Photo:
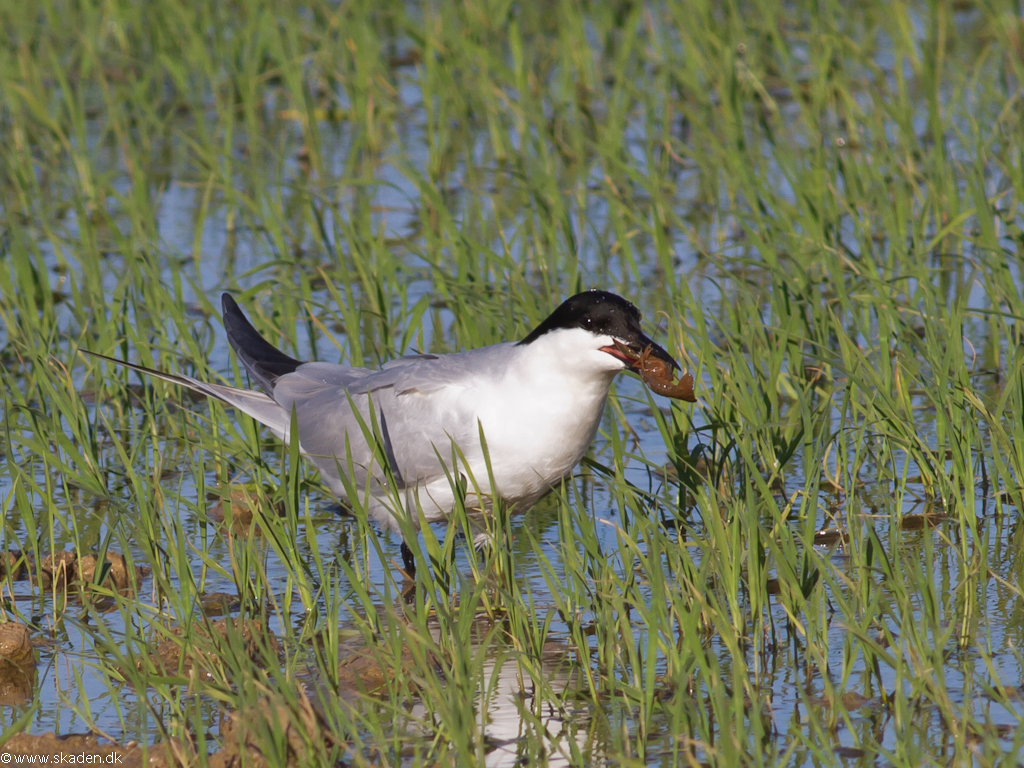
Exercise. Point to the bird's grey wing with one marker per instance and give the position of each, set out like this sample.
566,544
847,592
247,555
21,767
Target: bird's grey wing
330,433
425,374
432,412
421,373
309,376
406,360
412,373
414,404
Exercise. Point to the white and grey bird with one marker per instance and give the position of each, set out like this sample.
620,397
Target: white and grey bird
538,403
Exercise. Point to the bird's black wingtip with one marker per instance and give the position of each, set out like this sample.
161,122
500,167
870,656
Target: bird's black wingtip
263,361
228,303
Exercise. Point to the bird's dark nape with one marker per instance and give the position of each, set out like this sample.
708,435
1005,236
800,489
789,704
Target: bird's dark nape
264,362
597,311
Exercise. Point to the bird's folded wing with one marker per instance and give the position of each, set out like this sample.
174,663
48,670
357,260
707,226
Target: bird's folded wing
416,416
413,373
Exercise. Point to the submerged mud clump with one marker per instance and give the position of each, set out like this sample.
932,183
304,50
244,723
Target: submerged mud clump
17,664
367,670
64,569
114,572
58,570
219,603
14,564
918,522
239,507
205,649
299,736
15,644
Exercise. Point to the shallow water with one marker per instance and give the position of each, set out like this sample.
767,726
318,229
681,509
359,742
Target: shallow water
74,694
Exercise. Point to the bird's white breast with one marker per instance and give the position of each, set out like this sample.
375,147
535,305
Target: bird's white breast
538,421
538,405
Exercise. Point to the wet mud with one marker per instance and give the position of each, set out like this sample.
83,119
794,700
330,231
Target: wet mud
210,643
17,664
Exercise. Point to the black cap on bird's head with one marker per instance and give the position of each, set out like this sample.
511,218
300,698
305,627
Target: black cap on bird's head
604,314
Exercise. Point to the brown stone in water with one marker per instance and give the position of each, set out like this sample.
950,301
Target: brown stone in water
258,644
851,753
17,664
302,734
815,375
829,536
17,684
219,603
362,672
240,504
14,564
853,701
917,522
58,570
366,669
15,644
117,576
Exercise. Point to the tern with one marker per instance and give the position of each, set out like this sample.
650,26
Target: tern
514,417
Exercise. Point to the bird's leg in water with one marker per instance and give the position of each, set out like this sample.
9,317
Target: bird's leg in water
408,561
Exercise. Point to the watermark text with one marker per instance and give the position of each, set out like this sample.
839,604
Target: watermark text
60,758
